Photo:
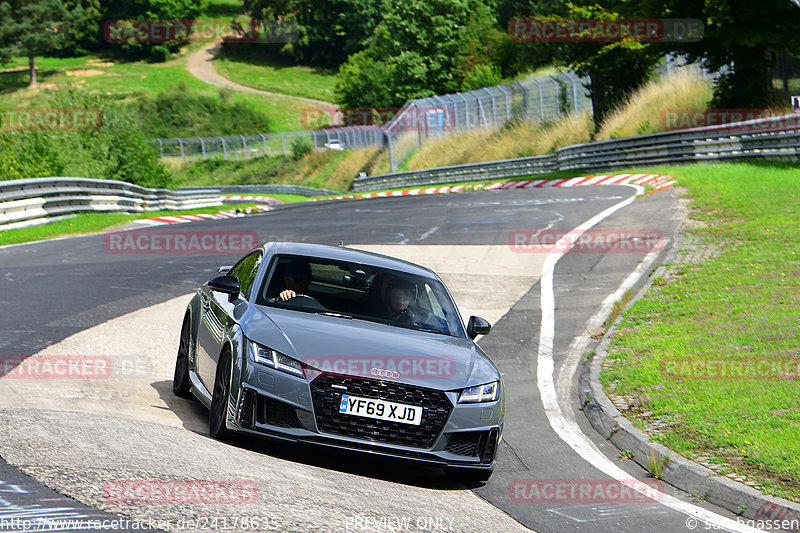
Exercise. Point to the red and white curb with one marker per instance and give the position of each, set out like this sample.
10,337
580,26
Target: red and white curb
264,199
657,181
178,219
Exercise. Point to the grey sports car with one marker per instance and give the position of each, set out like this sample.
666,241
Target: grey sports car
343,348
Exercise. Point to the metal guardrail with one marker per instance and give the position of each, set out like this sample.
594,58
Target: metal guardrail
262,189
771,138
30,201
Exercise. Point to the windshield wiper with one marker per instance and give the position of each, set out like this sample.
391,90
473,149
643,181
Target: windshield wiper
337,315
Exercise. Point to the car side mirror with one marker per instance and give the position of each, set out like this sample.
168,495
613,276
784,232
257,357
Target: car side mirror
477,326
227,284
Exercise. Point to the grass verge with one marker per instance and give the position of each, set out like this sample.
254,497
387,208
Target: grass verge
687,358
128,79
252,66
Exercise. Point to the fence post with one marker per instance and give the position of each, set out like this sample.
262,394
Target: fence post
392,162
160,147
203,147
283,143
264,139
541,98
524,92
466,108
183,155
494,106
574,94
224,149
244,145
558,95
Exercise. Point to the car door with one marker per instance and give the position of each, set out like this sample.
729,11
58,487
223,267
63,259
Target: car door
216,314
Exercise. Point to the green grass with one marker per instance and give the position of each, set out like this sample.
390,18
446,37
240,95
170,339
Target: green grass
743,305
96,222
253,66
126,79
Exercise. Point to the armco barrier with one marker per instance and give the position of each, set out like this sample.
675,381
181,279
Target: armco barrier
262,189
771,138
24,202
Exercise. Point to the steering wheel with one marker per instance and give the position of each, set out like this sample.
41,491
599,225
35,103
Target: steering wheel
305,302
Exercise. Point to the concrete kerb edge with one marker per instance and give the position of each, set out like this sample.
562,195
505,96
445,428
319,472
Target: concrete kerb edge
678,471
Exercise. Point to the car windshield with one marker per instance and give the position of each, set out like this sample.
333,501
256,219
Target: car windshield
359,291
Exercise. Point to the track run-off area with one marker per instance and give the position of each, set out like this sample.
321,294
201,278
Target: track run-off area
85,436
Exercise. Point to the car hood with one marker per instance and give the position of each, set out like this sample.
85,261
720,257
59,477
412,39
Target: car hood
371,350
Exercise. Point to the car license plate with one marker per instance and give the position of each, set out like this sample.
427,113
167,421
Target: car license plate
380,409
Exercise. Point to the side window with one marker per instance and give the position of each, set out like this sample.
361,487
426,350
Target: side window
246,270
436,309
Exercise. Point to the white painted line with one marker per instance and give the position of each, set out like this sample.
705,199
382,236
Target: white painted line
567,428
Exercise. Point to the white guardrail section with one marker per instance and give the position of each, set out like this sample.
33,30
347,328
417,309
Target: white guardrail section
267,188
31,201
776,138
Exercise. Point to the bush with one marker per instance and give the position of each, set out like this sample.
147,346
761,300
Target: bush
116,150
300,148
180,112
482,76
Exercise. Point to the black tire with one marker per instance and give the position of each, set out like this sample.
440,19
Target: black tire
219,399
180,381
467,475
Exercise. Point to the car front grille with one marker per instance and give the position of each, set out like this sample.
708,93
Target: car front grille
436,410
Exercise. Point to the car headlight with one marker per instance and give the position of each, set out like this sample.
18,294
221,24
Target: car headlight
269,357
482,393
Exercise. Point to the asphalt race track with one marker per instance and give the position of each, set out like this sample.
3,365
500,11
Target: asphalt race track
83,437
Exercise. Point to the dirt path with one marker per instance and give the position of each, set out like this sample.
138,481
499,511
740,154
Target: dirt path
200,66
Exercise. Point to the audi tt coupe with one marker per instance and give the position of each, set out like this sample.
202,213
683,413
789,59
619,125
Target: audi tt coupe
340,347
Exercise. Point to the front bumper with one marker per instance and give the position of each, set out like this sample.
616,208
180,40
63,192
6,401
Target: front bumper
274,404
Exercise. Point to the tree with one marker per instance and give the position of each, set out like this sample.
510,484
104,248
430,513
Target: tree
32,27
151,10
740,37
615,68
326,32
420,48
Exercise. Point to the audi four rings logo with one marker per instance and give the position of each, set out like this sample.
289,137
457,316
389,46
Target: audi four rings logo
380,372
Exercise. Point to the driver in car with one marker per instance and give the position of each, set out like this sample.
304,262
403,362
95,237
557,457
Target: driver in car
398,297
296,279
